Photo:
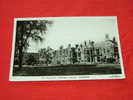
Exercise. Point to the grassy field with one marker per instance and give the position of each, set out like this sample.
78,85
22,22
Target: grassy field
100,69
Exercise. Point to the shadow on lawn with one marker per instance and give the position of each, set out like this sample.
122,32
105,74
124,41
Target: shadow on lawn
68,70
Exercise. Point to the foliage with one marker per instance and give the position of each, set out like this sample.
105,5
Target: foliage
45,55
31,60
26,31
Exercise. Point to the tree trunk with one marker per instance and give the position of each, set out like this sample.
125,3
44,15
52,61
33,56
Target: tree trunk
20,58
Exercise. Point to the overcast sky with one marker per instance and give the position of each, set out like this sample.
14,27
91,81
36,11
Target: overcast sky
73,30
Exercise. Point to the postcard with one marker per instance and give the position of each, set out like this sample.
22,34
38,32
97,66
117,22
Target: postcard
66,48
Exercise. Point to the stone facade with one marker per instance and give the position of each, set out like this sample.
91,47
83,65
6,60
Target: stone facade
84,53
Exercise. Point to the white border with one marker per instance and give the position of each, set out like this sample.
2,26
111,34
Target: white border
70,77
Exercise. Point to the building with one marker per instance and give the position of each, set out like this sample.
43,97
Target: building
88,52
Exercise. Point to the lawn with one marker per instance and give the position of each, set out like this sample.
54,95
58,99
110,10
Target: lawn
100,69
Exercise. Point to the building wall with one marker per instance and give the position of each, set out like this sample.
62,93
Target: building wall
83,54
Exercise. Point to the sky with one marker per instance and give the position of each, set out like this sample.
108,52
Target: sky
74,30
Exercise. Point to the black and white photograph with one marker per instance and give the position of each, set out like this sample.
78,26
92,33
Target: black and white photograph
66,48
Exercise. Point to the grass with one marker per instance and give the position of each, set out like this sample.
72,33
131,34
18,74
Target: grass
100,69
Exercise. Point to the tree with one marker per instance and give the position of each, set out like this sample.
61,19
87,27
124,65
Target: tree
31,60
115,47
26,31
113,41
46,55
